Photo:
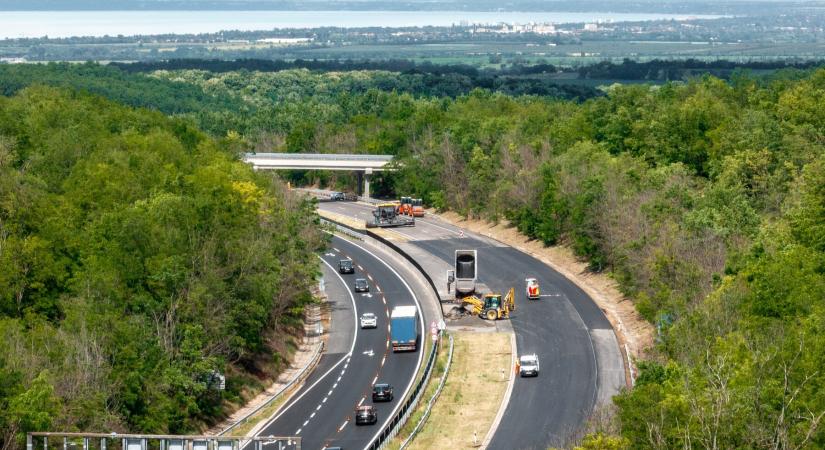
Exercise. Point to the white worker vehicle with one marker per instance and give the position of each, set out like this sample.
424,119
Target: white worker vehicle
529,365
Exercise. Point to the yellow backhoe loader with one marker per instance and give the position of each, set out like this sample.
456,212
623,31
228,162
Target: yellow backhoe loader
491,306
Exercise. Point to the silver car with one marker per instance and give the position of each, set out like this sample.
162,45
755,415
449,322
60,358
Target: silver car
368,320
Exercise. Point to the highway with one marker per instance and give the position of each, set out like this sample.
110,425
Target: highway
579,355
321,412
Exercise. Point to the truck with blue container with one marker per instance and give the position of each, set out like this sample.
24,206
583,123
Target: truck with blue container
404,328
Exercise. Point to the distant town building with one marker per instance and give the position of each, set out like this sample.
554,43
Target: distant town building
282,40
591,27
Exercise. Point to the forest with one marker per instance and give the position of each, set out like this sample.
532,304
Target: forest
704,199
139,261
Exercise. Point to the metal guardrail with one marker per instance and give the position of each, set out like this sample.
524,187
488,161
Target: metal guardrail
115,441
349,231
296,379
431,403
409,258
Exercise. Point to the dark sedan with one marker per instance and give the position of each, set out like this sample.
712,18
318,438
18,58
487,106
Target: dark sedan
366,415
345,266
361,285
382,392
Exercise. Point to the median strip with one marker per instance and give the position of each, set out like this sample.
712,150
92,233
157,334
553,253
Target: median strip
462,417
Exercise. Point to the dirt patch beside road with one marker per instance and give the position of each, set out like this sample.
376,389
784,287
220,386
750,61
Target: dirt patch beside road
472,395
631,329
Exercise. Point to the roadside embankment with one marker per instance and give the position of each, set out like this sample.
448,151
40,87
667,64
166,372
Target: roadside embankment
248,417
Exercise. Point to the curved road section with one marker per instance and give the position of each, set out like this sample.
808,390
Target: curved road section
322,411
581,363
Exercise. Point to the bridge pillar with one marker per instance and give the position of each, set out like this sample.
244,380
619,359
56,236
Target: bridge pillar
367,174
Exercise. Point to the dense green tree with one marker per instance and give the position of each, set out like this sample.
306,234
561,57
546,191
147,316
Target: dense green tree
137,258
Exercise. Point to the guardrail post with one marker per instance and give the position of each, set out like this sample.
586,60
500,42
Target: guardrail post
29,444
103,443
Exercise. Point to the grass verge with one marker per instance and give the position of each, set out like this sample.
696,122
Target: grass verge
461,411
264,414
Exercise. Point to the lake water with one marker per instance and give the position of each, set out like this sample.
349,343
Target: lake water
18,24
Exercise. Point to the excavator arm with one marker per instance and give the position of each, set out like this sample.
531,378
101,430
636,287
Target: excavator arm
510,300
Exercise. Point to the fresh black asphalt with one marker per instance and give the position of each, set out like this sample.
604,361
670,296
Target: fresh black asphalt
546,410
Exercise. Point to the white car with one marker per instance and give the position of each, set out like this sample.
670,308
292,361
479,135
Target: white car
529,365
368,320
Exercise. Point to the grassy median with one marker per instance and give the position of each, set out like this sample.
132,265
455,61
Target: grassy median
470,399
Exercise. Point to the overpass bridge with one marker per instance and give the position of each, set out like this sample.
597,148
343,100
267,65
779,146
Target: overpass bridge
364,165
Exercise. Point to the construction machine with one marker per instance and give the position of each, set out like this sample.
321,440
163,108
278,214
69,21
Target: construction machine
386,215
405,206
491,306
417,207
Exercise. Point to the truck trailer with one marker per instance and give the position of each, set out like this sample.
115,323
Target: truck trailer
466,272
404,328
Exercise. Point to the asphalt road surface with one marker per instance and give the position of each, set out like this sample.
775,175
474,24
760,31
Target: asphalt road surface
560,327
545,410
322,412
425,227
